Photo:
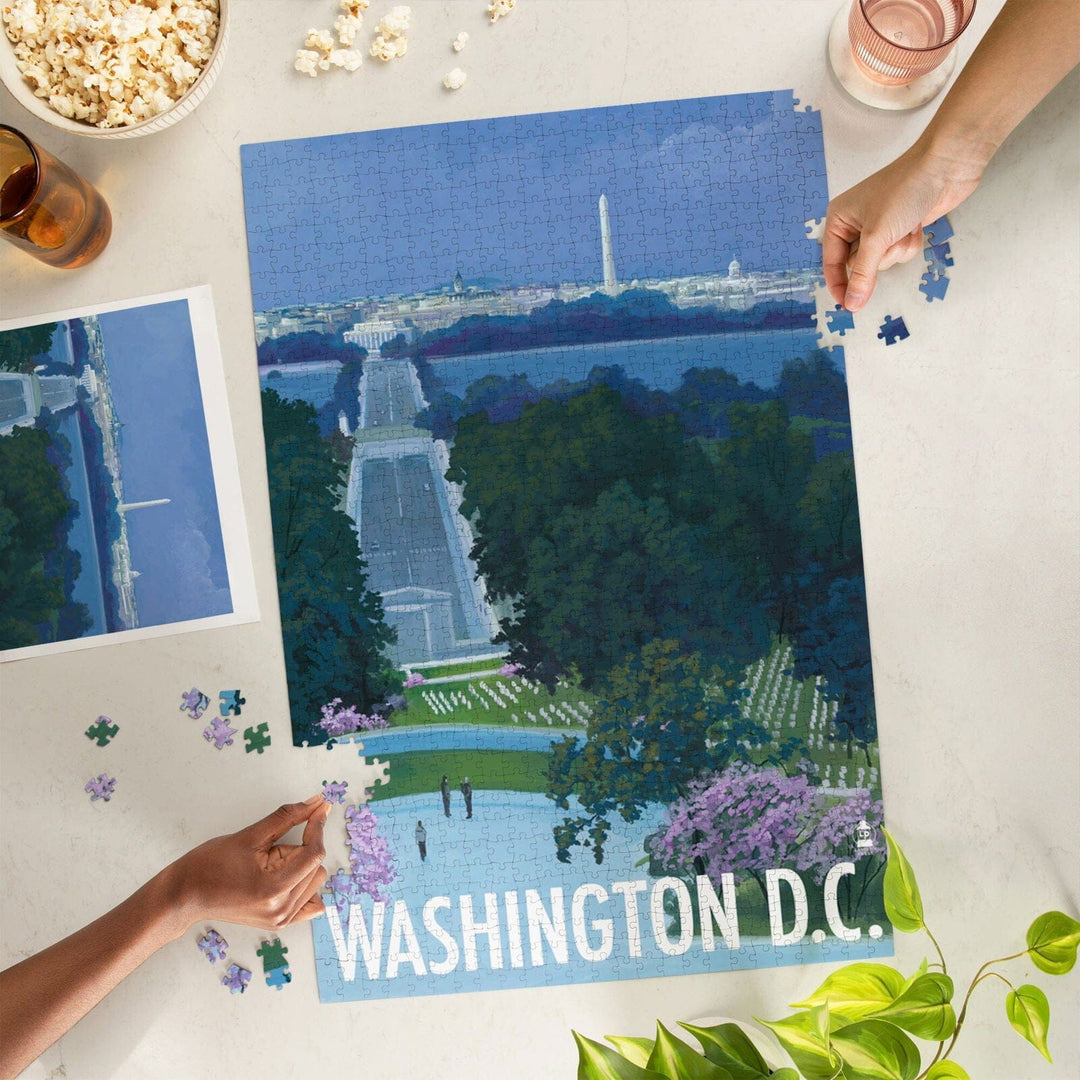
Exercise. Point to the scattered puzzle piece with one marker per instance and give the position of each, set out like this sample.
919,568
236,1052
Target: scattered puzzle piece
101,787
194,702
236,978
937,232
212,945
257,738
103,731
231,702
938,257
278,978
934,286
275,966
893,330
219,733
335,790
840,320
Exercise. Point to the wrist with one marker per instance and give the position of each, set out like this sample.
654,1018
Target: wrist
175,912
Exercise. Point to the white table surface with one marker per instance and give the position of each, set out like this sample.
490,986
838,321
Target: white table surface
966,444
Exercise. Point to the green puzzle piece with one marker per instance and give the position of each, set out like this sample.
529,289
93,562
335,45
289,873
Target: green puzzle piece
103,731
257,738
273,954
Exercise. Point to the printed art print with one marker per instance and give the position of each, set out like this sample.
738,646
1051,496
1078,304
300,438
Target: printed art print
567,541
120,509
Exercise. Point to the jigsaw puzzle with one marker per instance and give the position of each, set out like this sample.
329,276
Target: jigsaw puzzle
212,945
100,787
256,738
194,703
236,978
555,379
275,966
219,733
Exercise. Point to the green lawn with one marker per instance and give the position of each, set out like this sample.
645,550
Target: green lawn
487,770
437,671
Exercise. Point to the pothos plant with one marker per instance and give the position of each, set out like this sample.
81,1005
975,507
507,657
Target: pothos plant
859,1024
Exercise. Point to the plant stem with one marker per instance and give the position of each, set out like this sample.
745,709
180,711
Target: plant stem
981,974
941,955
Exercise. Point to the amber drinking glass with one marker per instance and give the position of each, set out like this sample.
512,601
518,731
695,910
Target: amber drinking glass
46,208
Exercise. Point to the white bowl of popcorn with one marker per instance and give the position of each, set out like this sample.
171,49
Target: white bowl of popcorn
114,69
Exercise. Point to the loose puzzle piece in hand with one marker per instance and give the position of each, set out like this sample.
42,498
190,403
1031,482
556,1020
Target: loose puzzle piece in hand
335,790
257,738
840,320
219,733
938,257
101,787
231,702
103,731
937,232
212,945
236,978
893,330
194,702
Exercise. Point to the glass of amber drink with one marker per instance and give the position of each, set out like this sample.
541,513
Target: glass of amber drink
46,208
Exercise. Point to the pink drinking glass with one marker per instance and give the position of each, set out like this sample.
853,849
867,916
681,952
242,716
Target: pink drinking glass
895,42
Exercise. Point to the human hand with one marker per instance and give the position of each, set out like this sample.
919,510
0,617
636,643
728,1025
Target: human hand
248,877
879,222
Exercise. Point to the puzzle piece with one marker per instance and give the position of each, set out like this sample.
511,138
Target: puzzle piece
335,791
938,257
934,286
272,953
893,330
840,320
231,702
101,787
194,702
937,232
103,731
236,978
278,978
219,733
257,738
212,945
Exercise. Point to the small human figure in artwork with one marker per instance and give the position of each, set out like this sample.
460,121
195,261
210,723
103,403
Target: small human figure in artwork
421,839
466,791
444,789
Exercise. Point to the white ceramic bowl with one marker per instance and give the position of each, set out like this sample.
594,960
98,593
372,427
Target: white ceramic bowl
20,89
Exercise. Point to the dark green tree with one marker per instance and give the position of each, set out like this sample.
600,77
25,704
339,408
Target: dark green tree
664,717
813,386
332,624
36,566
22,349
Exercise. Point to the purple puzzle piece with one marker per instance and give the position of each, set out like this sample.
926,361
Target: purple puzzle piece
101,787
194,702
236,978
335,790
219,733
212,945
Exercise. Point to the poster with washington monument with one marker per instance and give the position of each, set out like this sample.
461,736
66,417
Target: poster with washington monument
566,537
118,483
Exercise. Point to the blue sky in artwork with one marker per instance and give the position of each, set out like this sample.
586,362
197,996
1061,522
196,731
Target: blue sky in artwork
514,200
165,453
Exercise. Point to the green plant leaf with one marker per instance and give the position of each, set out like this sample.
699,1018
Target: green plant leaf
728,1046
672,1058
876,1050
599,1062
856,991
946,1070
1052,940
1029,1012
903,904
632,1048
923,1009
805,1036
920,970
785,1074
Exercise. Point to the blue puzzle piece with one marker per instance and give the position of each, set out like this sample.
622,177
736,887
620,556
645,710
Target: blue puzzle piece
934,286
937,232
893,330
938,257
278,977
840,320
231,702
